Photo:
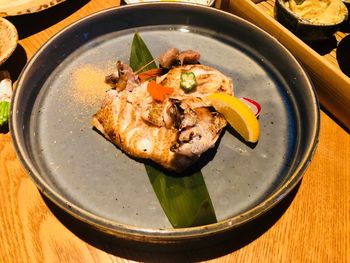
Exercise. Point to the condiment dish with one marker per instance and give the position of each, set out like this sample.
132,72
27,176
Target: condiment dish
310,28
8,39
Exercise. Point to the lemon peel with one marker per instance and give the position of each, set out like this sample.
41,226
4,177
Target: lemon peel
237,114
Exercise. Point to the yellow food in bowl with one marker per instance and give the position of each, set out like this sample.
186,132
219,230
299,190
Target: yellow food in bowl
319,11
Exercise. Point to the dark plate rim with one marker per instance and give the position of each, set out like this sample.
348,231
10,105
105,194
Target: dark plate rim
156,235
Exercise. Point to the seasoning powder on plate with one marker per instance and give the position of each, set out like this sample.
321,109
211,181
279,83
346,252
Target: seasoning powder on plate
88,84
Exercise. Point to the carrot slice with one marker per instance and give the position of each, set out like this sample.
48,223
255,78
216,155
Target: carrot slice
150,74
158,91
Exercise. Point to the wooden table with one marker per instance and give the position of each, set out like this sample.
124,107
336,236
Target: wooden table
311,225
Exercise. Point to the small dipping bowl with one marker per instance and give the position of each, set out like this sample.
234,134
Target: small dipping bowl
8,39
304,28
347,4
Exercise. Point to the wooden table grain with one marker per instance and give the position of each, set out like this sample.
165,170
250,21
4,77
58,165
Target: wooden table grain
311,225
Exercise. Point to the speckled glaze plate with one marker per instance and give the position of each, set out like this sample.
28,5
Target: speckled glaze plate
81,172
21,7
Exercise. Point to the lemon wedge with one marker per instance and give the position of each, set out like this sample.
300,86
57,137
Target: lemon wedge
237,114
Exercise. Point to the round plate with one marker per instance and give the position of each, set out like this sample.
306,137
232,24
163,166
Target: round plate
21,7
90,178
8,39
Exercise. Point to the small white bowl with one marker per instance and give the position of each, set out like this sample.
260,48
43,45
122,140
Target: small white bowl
8,39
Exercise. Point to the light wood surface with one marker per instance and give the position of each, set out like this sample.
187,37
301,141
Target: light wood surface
311,225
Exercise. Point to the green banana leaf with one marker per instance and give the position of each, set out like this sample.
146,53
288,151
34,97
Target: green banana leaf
185,199
140,55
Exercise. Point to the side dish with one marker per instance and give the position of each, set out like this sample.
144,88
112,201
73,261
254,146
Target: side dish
8,38
311,20
318,11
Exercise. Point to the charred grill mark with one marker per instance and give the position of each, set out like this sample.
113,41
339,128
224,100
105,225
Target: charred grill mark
222,86
203,77
174,147
120,113
212,110
187,139
177,113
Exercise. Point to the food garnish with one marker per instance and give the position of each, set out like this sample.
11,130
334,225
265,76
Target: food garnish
188,81
238,115
5,96
150,74
253,105
4,112
138,54
157,91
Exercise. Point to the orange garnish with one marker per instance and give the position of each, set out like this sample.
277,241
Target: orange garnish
158,91
150,74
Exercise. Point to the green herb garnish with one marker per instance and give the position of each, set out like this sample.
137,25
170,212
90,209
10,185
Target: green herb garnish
188,81
4,112
140,56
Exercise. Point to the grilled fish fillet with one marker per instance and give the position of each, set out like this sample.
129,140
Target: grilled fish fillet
173,133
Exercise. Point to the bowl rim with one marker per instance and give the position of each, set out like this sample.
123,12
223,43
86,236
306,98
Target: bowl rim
308,22
11,43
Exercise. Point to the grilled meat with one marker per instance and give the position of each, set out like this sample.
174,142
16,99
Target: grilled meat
174,132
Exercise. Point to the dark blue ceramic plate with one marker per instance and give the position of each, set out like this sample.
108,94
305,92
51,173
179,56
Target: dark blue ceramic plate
90,178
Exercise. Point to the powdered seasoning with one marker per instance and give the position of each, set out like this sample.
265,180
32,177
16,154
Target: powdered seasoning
88,86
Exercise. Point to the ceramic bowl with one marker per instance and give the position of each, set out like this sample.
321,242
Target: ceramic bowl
15,8
303,28
8,39
347,4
